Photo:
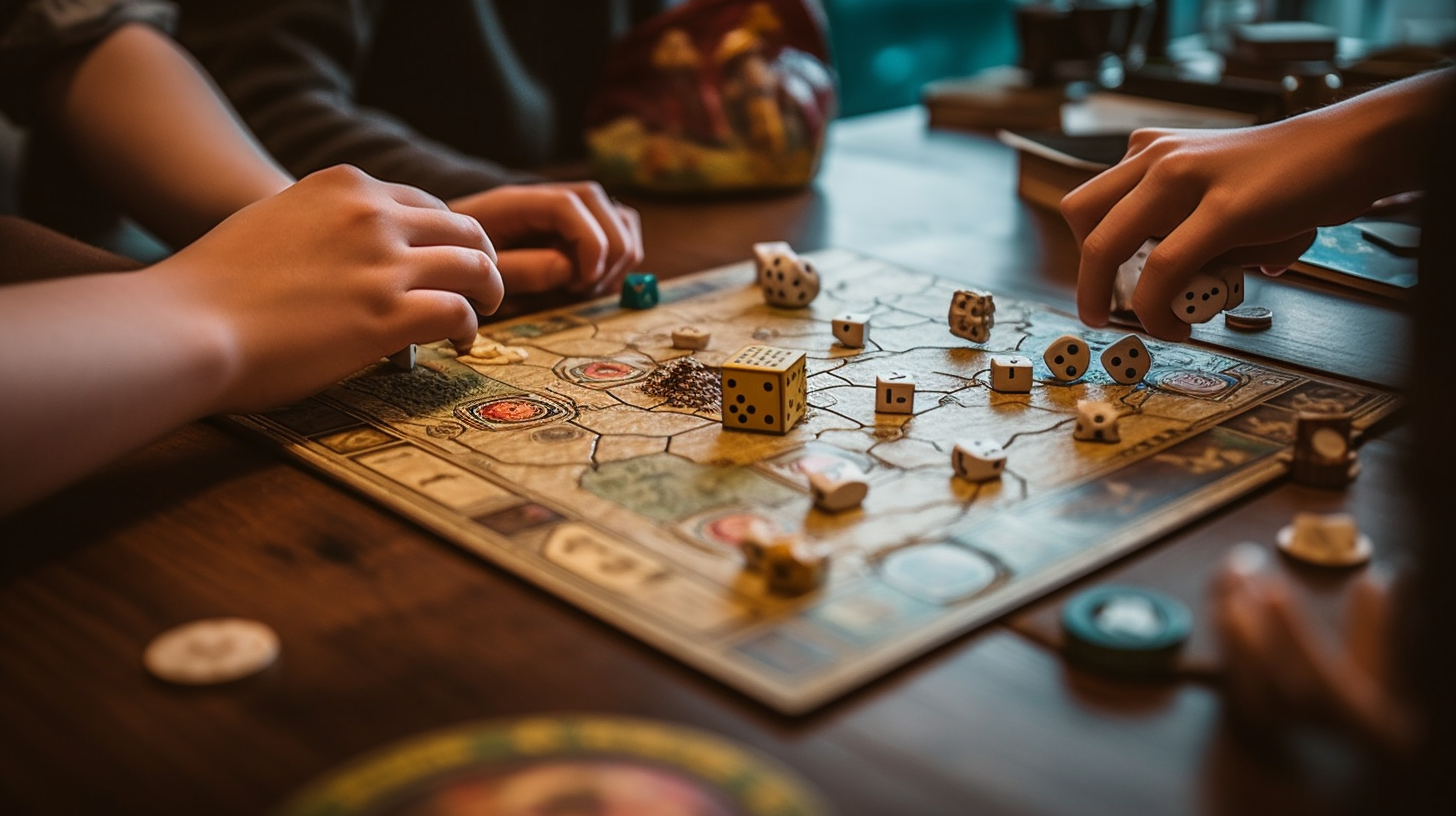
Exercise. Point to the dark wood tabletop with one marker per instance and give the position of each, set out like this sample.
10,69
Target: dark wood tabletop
389,631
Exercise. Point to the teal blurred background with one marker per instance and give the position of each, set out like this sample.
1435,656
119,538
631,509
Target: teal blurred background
885,50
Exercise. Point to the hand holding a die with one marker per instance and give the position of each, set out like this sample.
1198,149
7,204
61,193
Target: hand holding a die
1250,196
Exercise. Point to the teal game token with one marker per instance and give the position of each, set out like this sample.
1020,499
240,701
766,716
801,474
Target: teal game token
1125,630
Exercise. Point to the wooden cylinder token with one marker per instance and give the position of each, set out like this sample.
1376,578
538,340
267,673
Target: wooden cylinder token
1248,318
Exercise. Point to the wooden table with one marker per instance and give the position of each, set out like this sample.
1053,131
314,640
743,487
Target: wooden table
389,631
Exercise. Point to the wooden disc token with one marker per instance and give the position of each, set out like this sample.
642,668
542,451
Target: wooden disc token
212,650
1356,556
1249,318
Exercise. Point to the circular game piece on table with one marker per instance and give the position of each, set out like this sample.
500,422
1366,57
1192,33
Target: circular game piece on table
212,650
1125,630
1249,318
557,764
1324,556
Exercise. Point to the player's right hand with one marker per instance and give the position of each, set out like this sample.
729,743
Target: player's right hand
337,271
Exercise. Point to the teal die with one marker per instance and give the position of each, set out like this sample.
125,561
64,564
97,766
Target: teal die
639,291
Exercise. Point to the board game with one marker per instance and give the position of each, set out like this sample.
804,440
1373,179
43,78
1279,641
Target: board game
562,463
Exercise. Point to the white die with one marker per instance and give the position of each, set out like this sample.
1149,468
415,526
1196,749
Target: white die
1096,422
838,489
972,314
1128,275
1011,374
895,393
1128,360
851,329
1067,357
979,460
787,280
1203,297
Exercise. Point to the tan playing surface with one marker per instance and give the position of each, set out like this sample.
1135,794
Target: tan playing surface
563,470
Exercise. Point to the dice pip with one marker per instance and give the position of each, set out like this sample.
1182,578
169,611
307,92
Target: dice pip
787,280
639,291
979,460
1011,374
764,389
1067,357
895,393
1128,360
851,329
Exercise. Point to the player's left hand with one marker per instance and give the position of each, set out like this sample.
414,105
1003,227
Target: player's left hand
558,235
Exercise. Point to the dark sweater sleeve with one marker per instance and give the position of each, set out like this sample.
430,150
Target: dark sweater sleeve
290,67
38,35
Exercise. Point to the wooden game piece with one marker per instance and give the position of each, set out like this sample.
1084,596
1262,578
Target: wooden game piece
1324,454
690,337
839,489
972,314
895,393
1067,357
1232,276
851,329
764,389
1011,374
789,565
213,650
1125,630
792,567
1128,360
1096,422
639,291
1203,297
979,460
787,280
1128,275
1328,540
404,359
1249,318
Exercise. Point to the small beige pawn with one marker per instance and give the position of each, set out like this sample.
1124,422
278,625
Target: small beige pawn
839,489
1331,540
690,337
1096,422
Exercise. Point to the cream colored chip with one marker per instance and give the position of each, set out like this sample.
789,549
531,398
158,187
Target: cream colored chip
212,650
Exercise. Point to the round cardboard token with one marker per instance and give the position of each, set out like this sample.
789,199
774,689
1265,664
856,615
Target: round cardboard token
560,763
1249,318
212,650
1359,555
1125,629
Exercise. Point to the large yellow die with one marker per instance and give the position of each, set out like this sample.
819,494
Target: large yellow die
764,389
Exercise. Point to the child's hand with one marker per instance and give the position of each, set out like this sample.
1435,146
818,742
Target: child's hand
551,236
315,283
1251,196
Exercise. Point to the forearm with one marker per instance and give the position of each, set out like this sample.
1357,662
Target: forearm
111,361
1389,132
149,125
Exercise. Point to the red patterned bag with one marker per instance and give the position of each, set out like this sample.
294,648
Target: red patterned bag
713,96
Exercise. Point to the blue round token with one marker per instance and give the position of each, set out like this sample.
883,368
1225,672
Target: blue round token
1125,629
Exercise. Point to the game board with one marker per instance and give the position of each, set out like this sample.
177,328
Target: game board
563,470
